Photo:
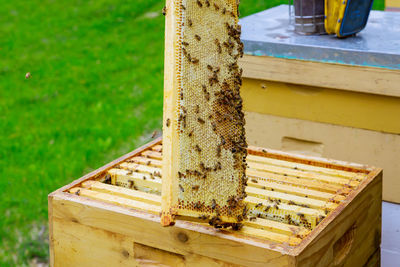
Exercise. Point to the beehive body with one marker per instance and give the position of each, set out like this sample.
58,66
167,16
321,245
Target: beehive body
96,220
205,147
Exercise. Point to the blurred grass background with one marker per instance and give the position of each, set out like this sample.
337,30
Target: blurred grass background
95,94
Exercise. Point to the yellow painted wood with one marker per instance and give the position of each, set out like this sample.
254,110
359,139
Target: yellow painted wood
392,3
370,80
347,108
346,143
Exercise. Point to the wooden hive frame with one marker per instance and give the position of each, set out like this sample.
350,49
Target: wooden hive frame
92,222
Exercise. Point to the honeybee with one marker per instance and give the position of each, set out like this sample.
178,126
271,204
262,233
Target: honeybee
198,38
164,10
199,3
168,122
213,204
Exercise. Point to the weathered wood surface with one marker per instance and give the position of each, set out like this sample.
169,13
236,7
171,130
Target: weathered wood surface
337,76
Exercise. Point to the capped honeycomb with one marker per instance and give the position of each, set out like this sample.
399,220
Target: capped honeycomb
204,137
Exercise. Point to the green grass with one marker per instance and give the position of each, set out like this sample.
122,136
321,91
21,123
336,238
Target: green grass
95,94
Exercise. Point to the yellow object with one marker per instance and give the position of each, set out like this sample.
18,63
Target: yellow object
203,129
346,17
392,3
347,108
334,12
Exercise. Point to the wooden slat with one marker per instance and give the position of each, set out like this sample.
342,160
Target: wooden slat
305,167
123,192
137,179
300,174
140,168
121,201
332,188
156,200
146,161
157,148
316,185
295,190
286,198
152,154
259,233
277,227
311,215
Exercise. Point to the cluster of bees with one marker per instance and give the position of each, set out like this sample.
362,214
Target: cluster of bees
221,91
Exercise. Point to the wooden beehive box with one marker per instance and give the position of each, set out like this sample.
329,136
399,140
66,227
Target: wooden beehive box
98,221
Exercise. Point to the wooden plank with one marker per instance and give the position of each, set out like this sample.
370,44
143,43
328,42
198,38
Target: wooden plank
123,192
294,190
146,161
152,154
316,185
287,198
277,227
304,175
352,78
351,234
157,148
149,256
297,213
121,201
140,168
276,237
305,167
352,109
137,179
205,241
80,245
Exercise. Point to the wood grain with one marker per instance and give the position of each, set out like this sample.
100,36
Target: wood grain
337,76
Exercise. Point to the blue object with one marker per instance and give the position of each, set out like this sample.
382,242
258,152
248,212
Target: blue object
355,16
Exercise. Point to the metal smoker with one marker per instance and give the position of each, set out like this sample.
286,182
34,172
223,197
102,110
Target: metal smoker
307,16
